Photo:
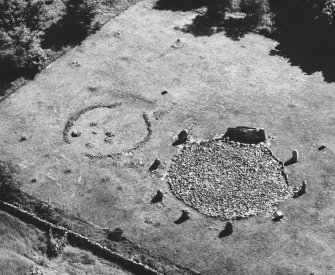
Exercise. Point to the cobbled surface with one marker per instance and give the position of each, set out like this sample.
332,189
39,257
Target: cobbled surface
228,180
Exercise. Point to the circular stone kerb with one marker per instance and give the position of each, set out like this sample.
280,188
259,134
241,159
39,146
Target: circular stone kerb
228,180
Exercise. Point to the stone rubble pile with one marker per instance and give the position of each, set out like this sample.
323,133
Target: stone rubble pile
227,179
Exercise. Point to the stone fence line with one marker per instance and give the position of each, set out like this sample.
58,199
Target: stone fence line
79,240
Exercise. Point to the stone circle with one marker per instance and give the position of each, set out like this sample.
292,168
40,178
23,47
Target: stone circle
228,180
108,135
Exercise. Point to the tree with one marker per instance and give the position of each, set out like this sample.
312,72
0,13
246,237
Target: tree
9,185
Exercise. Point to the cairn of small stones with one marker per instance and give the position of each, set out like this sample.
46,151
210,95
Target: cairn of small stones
228,180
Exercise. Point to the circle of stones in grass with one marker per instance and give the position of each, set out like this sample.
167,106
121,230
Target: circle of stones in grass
228,180
69,124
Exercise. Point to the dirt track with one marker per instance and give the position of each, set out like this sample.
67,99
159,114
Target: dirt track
213,81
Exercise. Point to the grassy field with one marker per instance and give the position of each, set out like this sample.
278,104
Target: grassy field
212,81
23,250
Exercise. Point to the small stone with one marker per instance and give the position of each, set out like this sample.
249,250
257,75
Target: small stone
155,165
23,138
75,63
108,140
89,145
322,147
278,215
75,133
109,134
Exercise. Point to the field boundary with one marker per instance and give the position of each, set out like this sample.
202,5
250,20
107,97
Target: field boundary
78,240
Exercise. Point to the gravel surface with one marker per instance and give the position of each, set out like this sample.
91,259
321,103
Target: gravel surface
228,180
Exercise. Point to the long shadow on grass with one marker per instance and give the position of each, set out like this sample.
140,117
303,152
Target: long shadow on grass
11,75
72,28
212,20
63,33
208,24
309,59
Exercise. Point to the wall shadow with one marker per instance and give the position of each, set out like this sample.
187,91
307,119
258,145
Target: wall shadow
179,5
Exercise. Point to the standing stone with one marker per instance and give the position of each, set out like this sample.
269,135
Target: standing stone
300,191
322,147
261,135
75,133
228,228
303,187
182,136
295,156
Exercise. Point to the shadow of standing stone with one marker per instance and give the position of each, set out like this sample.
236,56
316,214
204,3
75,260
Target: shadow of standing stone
155,165
158,197
293,159
228,230
184,217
